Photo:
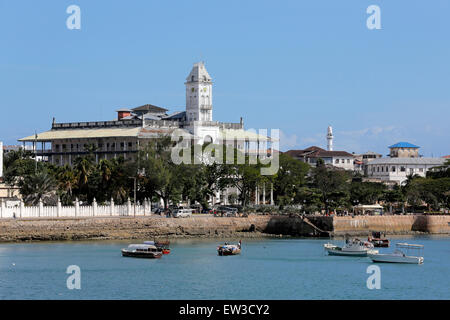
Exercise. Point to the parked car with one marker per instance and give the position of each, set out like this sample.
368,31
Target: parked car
182,213
196,208
225,211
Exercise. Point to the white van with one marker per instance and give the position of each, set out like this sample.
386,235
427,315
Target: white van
182,213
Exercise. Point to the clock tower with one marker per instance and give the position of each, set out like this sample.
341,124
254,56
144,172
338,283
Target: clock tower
198,94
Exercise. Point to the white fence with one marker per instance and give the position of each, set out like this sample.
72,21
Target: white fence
94,210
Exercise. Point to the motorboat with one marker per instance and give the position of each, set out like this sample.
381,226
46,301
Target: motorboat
162,246
378,240
229,249
352,248
400,256
142,251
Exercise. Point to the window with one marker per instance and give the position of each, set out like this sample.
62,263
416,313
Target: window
348,160
393,169
402,169
343,161
420,169
337,161
130,144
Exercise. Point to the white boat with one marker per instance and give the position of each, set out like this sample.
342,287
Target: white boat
398,256
352,248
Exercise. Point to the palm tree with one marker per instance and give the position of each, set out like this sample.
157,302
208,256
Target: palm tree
83,168
38,186
67,181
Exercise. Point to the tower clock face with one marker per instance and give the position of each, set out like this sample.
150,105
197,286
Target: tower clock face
204,89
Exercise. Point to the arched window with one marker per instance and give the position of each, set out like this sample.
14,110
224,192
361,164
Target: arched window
192,78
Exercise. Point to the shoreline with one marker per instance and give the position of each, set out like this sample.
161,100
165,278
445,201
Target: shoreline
208,227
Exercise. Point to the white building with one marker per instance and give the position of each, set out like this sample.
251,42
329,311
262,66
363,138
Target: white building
404,161
338,159
134,127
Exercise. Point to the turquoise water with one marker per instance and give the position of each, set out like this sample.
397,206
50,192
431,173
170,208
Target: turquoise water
266,269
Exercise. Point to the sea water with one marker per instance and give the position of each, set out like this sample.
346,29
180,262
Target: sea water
266,269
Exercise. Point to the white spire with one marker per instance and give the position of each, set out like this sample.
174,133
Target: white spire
330,139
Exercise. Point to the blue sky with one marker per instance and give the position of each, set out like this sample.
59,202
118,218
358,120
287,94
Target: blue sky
298,66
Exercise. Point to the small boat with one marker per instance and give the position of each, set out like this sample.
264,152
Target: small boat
352,248
378,240
162,246
398,256
142,251
229,249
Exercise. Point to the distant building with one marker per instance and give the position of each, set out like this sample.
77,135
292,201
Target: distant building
361,160
404,161
404,150
339,159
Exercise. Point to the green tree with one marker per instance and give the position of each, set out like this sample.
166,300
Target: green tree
38,186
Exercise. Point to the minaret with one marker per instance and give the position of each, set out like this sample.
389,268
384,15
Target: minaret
198,94
330,139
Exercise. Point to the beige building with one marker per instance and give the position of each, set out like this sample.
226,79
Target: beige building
135,127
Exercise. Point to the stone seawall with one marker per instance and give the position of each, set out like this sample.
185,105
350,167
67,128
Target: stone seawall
208,226
361,225
128,228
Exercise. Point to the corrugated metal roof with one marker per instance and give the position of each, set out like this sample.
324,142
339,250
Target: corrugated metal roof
404,145
83,134
240,134
388,161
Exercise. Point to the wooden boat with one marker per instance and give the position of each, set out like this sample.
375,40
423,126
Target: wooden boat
162,246
398,256
378,240
229,249
352,248
142,251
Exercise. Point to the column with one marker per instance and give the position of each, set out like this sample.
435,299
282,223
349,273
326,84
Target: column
22,208
58,208
264,193
41,208
271,195
94,207
128,206
112,207
77,207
